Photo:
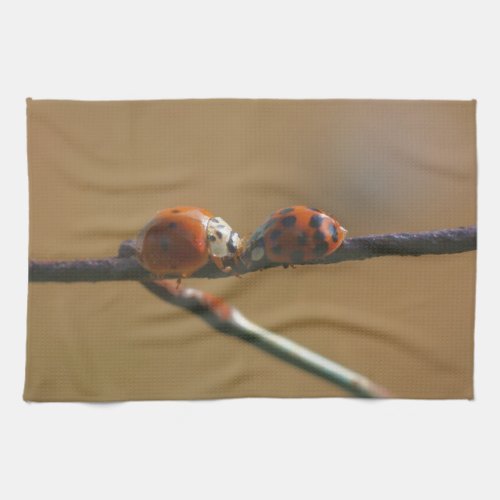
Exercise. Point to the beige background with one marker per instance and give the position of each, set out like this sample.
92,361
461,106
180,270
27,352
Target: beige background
100,170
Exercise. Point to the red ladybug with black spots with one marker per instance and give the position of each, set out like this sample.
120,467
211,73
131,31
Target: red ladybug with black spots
295,235
180,240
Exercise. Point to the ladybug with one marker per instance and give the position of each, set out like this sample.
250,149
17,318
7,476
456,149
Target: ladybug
295,235
178,241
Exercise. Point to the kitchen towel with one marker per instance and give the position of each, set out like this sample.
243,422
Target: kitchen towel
99,171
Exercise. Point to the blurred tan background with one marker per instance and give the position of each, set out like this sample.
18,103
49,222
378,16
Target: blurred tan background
99,170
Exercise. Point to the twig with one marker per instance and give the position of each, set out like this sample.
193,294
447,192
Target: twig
230,321
126,267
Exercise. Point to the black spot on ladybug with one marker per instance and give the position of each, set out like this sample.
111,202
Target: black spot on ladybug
319,235
219,234
297,256
172,225
286,211
276,249
176,211
275,234
302,239
289,220
211,237
321,248
333,232
315,220
164,243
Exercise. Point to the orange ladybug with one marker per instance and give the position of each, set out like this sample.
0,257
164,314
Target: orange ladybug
178,241
294,235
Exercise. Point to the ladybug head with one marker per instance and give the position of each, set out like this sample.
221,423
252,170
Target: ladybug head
222,240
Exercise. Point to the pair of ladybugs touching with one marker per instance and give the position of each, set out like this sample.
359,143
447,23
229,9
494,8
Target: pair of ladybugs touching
181,240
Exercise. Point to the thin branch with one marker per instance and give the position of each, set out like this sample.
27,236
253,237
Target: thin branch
126,267
228,320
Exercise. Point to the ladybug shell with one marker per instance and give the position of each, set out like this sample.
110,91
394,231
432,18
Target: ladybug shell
296,234
175,241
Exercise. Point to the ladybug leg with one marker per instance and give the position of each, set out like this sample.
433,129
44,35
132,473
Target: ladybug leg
179,280
220,265
229,269
225,269
238,260
233,272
